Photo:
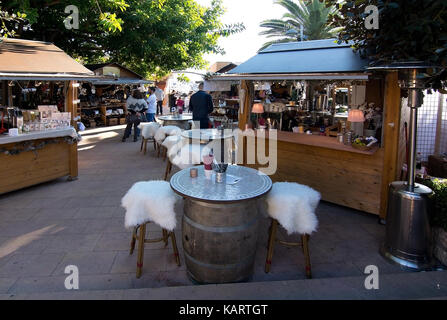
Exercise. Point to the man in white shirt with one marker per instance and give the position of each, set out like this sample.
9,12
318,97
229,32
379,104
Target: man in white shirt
160,95
151,105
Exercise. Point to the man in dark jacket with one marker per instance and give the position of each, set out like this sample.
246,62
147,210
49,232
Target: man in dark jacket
201,105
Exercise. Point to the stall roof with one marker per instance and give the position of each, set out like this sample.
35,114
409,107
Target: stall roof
306,57
119,81
35,60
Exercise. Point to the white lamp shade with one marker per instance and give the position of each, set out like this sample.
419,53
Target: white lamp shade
258,108
356,115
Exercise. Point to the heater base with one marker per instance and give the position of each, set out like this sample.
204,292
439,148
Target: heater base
406,264
408,233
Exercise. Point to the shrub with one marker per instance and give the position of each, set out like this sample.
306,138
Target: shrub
438,215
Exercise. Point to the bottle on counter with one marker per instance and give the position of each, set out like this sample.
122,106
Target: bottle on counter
20,121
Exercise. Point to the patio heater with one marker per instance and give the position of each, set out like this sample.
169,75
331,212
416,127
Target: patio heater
407,240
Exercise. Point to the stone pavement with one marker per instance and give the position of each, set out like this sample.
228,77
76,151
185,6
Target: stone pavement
47,227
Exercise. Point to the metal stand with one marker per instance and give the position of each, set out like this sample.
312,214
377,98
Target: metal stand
407,227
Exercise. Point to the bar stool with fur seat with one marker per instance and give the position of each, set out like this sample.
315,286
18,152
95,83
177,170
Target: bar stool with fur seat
148,132
150,202
185,156
164,132
292,205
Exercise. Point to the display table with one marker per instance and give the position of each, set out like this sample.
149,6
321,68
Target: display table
220,223
37,157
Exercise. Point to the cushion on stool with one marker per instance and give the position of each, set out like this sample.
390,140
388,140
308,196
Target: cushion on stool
163,132
293,205
150,201
149,130
189,156
171,142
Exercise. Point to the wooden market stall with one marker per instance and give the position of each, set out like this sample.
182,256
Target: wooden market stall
103,101
38,102
314,85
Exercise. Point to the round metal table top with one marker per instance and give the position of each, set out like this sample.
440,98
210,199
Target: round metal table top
175,118
206,134
241,183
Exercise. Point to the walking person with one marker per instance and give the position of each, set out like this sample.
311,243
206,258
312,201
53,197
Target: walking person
172,101
151,105
201,105
136,106
187,100
160,95
180,103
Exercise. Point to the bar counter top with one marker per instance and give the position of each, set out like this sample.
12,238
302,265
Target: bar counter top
319,141
54,133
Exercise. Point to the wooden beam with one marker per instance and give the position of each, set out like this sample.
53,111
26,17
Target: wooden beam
71,94
247,88
391,124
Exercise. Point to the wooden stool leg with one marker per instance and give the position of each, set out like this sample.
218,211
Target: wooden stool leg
305,244
155,145
145,146
134,239
141,148
165,237
174,246
141,238
168,170
165,153
158,151
272,239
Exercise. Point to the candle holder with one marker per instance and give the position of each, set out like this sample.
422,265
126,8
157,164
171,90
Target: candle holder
193,172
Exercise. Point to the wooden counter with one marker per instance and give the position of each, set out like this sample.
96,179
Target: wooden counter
342,174
53,157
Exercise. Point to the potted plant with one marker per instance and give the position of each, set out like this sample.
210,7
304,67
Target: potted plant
439,218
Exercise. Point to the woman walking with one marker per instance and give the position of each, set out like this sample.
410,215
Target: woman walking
136,107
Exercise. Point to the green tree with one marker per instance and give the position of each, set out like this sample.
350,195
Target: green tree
150,37
413,30
311,15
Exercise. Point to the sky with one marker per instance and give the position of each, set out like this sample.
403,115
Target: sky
242,46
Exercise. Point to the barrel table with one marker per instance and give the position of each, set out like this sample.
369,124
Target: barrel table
220,223
181,121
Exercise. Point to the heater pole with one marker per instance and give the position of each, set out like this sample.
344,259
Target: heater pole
414,102
412,142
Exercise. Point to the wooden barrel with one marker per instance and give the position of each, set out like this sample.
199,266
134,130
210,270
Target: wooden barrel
219,240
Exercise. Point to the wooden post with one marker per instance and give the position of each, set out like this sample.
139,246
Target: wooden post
391,122
246,103
71,94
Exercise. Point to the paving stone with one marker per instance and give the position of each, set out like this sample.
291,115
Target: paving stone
16,214
154,261
88,263
31,265
6,283
95,213
62,243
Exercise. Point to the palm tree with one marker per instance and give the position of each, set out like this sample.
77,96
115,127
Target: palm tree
311,15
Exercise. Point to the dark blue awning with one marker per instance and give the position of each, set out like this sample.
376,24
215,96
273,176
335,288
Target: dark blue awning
316,56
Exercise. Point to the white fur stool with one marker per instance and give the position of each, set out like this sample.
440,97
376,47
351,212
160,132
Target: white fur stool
164,132
150,202
148,131
292,205
185,156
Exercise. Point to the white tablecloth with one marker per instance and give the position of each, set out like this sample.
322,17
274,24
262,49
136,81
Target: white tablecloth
70,132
